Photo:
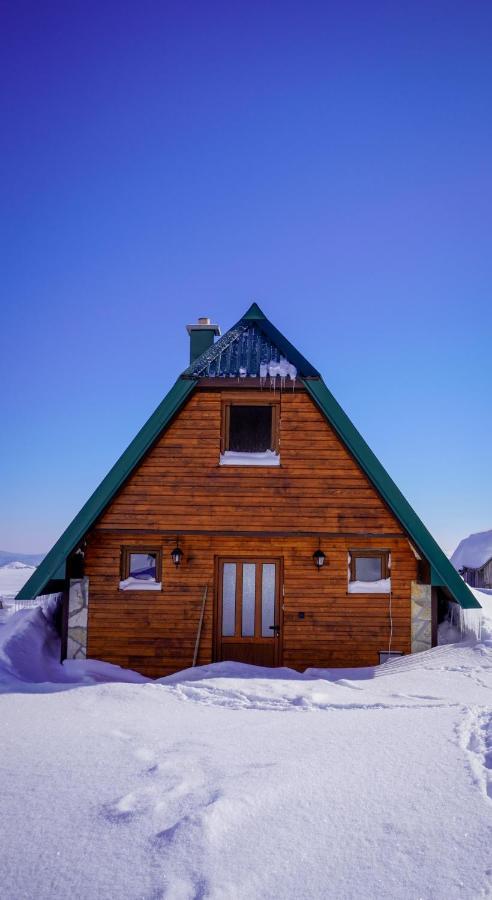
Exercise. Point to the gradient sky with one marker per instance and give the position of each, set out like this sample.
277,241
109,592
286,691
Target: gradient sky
162,161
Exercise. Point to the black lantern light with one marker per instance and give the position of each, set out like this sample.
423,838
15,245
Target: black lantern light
319,558
177,554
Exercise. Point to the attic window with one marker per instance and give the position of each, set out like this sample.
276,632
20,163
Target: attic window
250,433
140,569
369,572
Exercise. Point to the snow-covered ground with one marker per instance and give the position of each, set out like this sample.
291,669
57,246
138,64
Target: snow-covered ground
233,782
13,577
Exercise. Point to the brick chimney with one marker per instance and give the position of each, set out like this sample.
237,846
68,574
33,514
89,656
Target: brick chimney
201,336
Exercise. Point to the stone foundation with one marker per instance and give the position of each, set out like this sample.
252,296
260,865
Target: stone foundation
78,605
421,611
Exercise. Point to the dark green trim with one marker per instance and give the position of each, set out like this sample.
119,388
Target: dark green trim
443,572
50,566
303,366
254,313
201,339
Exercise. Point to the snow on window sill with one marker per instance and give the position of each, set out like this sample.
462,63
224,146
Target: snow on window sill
137,584
383,586
236,458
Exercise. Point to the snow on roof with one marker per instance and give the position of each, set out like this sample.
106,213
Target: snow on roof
243,351
473,551
252,347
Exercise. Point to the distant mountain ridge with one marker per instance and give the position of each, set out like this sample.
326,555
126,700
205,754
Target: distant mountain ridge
30,559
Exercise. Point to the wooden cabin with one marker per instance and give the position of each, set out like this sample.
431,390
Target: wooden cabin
248,520
473,559
479,576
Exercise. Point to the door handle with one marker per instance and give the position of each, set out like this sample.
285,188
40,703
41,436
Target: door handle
275,628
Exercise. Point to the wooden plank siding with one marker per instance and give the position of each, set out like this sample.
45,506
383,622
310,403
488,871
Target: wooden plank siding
318,491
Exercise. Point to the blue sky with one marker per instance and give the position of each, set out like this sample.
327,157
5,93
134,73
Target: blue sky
163,161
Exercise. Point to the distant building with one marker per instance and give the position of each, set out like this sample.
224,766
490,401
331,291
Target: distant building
473,559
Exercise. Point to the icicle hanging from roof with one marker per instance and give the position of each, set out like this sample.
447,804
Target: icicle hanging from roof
244,351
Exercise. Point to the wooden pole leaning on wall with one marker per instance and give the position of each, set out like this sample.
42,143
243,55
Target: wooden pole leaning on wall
199,632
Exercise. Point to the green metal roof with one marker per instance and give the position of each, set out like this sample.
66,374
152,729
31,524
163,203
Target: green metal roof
251,341
303,366
443,572
99,500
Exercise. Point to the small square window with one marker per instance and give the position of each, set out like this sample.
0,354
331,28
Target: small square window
142,566
140,569
250,433
368,568
369,572
250,429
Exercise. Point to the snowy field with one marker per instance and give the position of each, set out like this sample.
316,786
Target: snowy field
13,577
232,782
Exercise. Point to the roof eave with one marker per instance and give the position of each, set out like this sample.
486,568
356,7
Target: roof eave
104,493
446,574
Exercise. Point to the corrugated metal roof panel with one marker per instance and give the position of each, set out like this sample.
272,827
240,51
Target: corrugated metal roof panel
240,352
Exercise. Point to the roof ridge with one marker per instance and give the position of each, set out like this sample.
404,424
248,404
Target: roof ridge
254,312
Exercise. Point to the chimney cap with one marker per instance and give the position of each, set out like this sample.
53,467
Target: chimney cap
204,324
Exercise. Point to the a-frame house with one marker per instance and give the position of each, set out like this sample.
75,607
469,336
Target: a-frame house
248,520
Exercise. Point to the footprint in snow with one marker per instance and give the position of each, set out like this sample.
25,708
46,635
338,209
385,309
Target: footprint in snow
121,735
167,792
476,738
162,839
124,809
145,754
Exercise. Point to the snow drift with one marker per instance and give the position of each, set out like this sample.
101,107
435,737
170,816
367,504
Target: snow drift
232,781
30,652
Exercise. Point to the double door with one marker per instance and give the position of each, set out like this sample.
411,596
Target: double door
248,614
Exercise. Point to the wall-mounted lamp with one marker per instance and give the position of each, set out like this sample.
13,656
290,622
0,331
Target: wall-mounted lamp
319,558
177,554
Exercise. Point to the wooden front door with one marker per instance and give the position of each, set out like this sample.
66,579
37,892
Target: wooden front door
248,613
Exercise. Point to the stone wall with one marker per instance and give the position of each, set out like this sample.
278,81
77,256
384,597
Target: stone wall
421,601
78,605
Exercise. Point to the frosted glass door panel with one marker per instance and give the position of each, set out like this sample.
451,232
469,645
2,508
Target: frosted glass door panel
229,600
249,581
267,599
